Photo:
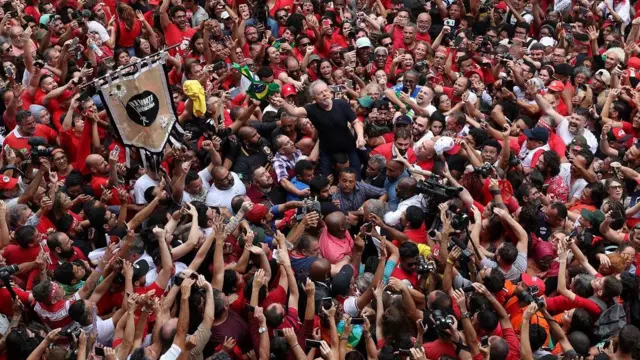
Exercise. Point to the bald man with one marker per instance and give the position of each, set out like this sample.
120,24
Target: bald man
424,24
407,193
335,241
426,154
104,176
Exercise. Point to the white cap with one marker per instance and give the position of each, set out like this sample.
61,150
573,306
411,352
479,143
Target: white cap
547,41
444,144
363,42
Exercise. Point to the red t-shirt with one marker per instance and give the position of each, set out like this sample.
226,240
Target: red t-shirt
97,183
561,303
418,236
15,254
386,151
400,274
6,303
126,37
423,37
19,142
173,35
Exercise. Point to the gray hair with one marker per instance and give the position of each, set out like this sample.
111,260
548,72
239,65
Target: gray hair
15,213
376,206
380,160
582,70
381,48
363,281
312,87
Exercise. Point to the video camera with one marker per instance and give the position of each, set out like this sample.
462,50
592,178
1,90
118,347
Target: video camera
39,148
7,271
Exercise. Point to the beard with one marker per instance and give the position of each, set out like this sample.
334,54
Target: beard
67,254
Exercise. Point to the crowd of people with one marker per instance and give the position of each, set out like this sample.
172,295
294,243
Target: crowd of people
441,179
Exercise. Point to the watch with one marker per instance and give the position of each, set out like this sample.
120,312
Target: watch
466,315
262,330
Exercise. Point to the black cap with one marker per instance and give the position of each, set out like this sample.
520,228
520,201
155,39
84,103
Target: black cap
537,133
563,69
341,283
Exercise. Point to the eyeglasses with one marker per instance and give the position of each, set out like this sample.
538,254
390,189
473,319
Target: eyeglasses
615,187
305,44
388,44
283,17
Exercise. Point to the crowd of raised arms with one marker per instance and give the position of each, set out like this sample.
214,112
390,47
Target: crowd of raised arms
423,180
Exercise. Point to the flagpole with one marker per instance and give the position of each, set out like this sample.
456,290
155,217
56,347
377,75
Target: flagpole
122,68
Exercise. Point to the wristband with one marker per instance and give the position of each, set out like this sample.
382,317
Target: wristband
98,270
449,261
495,192
293,347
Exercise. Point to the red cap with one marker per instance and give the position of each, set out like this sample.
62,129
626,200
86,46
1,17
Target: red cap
501,6
7,183
556,86
154,2
534,281
469,73
257,213
622,137
288,90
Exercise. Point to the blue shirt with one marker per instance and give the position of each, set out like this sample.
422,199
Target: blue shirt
299,185
390,188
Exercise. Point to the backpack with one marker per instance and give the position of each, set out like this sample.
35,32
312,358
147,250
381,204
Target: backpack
611,320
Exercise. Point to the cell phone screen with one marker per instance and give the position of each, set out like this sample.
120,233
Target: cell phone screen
312,343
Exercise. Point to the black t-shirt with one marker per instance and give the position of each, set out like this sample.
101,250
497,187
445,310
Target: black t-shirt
246,160
333,132
544,230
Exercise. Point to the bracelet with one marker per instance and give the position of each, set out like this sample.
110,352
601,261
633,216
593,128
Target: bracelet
343,338
449,261
495,192
294,346
98,270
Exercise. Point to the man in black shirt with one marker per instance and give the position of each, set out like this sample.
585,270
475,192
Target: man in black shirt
331,117
251,152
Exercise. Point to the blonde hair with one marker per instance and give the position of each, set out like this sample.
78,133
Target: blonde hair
618,264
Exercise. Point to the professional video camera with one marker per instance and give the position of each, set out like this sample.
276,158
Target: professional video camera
310,205
7,271
441,321
434,194
529,296
39,149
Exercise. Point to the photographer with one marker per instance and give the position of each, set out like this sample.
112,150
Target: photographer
506,347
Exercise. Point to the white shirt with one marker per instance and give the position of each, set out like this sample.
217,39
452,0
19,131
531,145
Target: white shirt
106,330
141,185
393,217
206,178
575,189
172,354
563,131
418,144
222,198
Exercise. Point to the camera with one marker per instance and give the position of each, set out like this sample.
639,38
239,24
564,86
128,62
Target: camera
421,66
7,271
505,58
484,170
435,193
528,297
425,267
71,330
310,205
39,149
441,321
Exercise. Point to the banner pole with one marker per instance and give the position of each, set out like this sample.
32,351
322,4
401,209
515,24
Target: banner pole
161,54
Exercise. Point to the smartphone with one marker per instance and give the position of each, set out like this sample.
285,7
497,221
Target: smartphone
468,289
336,88
312,343
357,321
449,22
99,351
278,332
368,227
484,341
327,303
9,71
116,149
404,351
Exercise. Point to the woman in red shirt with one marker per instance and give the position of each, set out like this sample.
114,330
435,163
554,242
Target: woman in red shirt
128,27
